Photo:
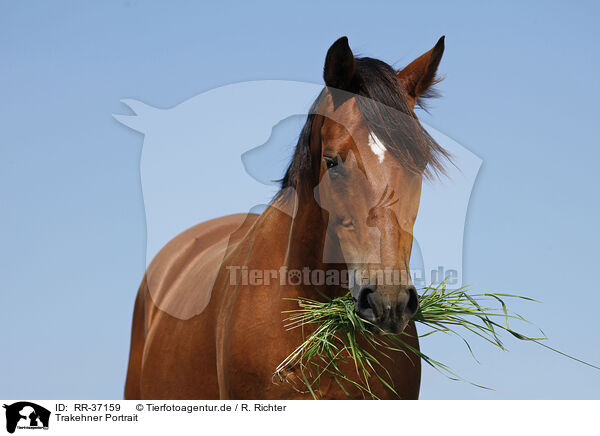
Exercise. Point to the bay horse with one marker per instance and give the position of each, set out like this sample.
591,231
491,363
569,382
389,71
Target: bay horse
348,202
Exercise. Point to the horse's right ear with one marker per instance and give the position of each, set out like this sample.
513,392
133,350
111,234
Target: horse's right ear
340,67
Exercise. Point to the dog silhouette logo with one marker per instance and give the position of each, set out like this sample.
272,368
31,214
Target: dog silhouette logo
26,415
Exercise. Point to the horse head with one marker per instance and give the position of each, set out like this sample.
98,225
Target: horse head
368,155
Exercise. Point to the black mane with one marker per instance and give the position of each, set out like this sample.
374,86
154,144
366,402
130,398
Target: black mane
384,108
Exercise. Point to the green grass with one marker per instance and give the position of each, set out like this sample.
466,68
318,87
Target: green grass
337,329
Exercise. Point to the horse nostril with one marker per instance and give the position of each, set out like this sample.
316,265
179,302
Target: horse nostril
413,301
365,304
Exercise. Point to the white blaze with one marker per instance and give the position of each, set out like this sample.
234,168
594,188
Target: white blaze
376,146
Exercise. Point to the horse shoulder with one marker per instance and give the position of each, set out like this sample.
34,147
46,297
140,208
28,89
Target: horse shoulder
177,314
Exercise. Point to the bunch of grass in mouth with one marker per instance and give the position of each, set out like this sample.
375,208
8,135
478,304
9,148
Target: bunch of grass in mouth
336,329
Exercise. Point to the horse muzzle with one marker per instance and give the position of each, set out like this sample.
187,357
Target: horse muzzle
387,308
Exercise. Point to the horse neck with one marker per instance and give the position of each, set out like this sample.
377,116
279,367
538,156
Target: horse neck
301,216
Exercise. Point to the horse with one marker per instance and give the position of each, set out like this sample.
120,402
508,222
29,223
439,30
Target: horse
209,316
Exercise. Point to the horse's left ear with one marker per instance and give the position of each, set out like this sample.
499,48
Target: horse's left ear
419,76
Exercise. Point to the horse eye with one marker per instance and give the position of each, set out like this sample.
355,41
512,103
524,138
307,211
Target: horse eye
330,162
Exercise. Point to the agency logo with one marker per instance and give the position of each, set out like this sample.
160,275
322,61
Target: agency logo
224,152
26,415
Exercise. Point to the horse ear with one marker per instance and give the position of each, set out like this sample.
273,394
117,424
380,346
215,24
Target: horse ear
419,76
340,68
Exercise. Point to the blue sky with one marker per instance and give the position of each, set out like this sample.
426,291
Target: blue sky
521,93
